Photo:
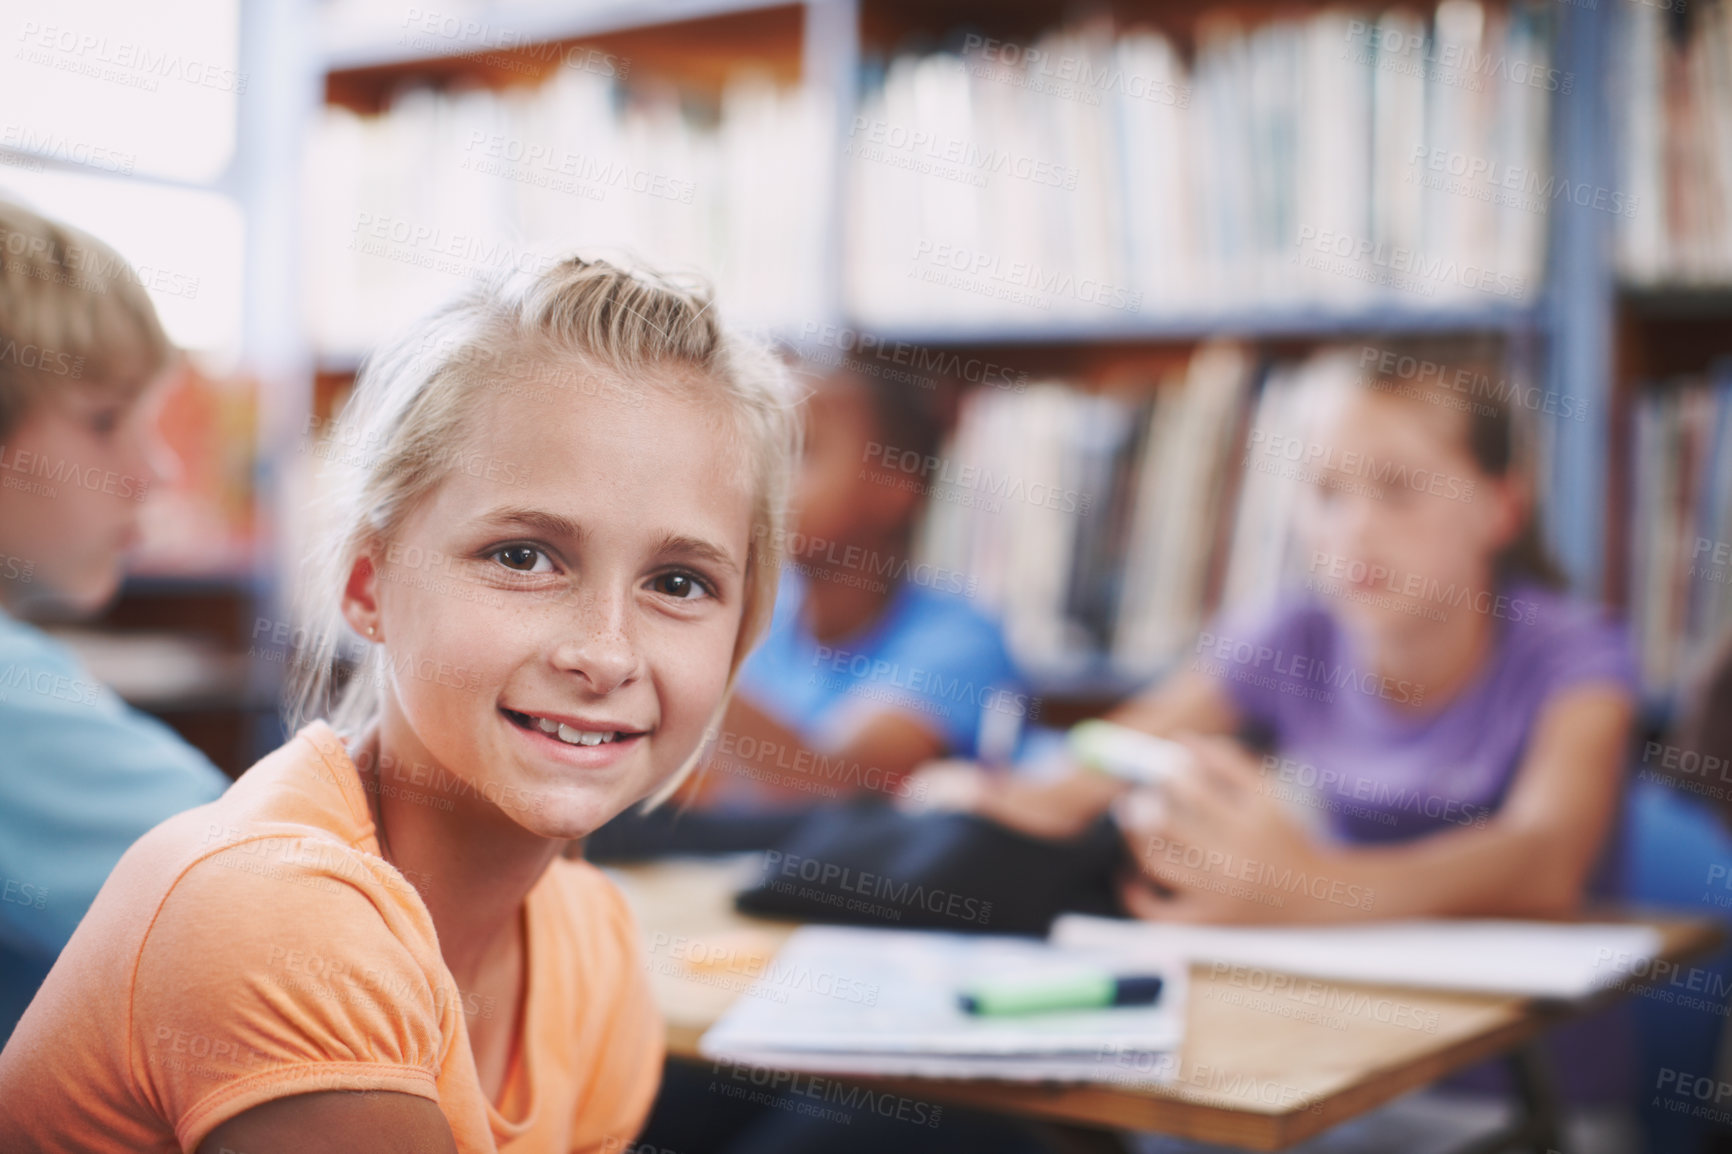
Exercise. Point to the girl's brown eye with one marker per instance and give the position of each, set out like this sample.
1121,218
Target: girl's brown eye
522,558
682,586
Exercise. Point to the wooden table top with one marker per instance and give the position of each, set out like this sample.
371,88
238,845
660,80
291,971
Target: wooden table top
1257,1069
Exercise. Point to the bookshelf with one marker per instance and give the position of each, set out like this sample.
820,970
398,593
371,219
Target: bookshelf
1576,335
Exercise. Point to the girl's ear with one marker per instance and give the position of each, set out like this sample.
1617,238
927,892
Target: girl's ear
361,598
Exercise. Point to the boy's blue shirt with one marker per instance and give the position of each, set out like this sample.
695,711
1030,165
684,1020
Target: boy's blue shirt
82,776
930,655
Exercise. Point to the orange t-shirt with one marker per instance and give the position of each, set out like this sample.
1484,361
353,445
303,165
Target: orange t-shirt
259,947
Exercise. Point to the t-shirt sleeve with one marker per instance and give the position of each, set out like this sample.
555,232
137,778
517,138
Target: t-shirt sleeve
82,776
632,1039
268,973
945,667
1584,646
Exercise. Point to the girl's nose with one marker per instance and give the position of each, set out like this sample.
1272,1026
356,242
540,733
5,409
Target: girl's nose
600,648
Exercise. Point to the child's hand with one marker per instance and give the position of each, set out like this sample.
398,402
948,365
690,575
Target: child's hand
950,784
1212,846
1052,808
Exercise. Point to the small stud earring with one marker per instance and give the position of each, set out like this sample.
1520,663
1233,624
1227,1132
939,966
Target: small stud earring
371,630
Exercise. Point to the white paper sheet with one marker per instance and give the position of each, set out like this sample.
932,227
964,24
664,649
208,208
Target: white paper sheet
1492,956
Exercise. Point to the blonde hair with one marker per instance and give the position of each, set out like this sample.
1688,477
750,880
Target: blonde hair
71,309
641,331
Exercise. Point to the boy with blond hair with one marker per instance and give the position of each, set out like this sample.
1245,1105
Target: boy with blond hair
83,360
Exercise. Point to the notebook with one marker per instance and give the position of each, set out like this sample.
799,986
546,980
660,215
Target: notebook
869,1001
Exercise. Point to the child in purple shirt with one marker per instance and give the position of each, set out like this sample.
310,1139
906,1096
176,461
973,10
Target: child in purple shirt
1441,730
1376,769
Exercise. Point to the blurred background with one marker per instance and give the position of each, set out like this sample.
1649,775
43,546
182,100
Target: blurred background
1115,241
1118,236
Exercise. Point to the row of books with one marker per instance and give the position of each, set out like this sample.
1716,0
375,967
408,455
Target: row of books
1337,159
1680,541
1673,113
447,187
1102,526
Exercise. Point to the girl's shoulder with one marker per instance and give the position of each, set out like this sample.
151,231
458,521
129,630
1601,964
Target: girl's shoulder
1554,636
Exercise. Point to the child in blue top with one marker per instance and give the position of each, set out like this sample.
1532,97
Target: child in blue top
82,360
874,662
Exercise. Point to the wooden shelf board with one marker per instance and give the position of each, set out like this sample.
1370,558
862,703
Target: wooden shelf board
697,43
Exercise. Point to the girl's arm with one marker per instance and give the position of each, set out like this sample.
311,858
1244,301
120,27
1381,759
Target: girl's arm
1223,850
876,756
1062,807
333,1122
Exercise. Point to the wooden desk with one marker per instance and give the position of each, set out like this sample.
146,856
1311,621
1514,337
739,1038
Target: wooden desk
1256,1070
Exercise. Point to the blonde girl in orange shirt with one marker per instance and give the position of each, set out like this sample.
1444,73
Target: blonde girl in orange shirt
550,536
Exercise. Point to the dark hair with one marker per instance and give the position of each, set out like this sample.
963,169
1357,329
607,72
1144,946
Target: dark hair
1498,438
908,416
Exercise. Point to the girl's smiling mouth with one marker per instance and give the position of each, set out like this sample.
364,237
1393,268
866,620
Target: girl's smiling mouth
573,731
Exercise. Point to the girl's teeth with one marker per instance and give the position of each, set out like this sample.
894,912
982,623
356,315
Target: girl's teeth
582,737
547,726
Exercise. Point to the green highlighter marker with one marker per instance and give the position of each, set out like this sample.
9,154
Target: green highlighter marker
1079,992
1127,754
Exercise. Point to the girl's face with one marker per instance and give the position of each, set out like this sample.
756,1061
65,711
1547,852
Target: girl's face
578,577
1401,525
